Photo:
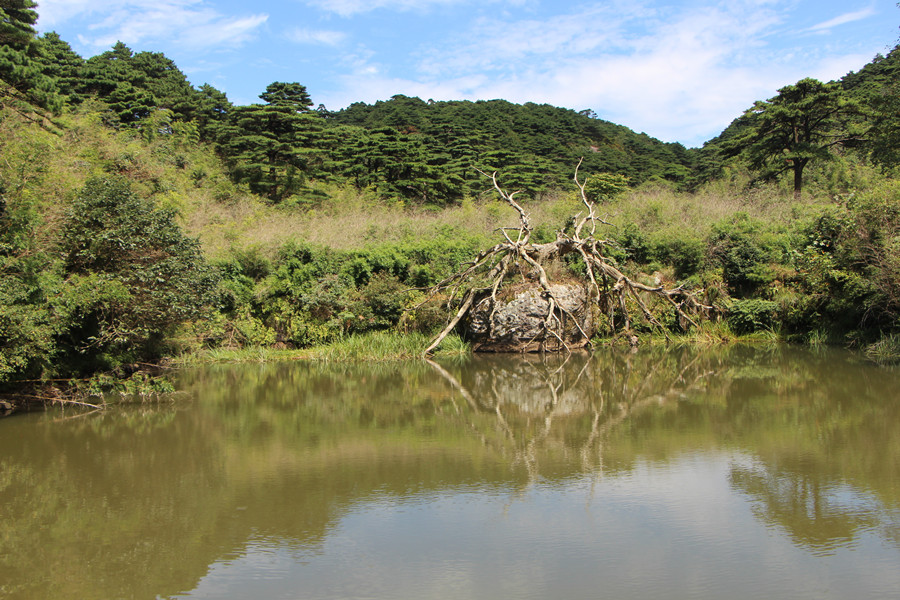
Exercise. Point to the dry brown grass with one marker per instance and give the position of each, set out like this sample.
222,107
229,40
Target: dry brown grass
656,207
351,219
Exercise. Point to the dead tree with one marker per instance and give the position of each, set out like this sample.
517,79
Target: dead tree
611,293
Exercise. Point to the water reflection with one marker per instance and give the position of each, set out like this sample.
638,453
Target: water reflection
264,469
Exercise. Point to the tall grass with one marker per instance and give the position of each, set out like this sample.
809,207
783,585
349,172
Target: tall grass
384,345
886,350
349,219
375,346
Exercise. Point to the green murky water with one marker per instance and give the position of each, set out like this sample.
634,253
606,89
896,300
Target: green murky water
729,473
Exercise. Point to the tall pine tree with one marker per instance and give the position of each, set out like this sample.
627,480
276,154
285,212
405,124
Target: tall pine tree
275,147
19,69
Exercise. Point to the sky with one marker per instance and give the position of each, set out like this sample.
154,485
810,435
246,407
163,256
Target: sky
678,70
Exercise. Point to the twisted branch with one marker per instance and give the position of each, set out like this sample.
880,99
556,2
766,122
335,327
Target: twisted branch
607,286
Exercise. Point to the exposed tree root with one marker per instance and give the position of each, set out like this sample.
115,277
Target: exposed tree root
611,292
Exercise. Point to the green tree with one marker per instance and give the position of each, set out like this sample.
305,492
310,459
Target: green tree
134,85
880,81
28,278
884,137
17,19
18,65
211,111
133,276
274,147
60,63
804,122
102,73
605,187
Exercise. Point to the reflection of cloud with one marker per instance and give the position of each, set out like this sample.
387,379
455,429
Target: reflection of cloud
185,22
850,17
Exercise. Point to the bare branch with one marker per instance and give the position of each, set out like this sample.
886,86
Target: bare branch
607,288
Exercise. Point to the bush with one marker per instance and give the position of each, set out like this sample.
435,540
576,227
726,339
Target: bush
148,277
748,316
744,253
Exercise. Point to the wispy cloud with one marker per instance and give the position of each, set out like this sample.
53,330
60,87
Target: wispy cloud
188,23
314,36
347,8
850,17
654,71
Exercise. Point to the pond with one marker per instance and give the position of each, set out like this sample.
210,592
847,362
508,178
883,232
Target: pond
735,472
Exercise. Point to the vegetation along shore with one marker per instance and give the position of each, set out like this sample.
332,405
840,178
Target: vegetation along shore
145,220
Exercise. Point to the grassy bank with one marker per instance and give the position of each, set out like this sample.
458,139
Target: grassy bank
374,346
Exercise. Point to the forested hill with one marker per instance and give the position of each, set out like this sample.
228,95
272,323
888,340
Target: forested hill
535,146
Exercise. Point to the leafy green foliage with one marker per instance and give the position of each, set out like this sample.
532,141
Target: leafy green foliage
60,63
29,322
146,276
309,295
605,187
17,19
878,86
749,316
745,254
19,68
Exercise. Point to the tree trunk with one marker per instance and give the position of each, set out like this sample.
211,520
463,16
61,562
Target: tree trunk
798,177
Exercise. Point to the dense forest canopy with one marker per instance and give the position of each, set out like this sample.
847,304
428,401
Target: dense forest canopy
104,158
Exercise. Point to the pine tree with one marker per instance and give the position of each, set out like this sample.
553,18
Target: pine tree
19,68
275,147
61,64
801,124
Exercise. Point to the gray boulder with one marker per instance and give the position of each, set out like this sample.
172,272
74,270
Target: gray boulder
517,322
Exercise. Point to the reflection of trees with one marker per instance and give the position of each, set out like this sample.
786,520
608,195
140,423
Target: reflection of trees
157,493
823,431
816,513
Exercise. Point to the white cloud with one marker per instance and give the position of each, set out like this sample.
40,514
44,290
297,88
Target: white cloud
311,36
844,19
221,31
188,23
647,69
347,8
53,12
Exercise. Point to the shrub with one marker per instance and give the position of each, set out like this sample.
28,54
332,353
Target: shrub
149,276
748,316
744,253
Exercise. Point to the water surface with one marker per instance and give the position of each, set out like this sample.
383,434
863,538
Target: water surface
736,472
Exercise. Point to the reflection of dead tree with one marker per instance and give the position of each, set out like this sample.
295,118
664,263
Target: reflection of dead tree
604,393
609,290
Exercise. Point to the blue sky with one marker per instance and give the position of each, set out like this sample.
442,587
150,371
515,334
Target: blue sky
679,70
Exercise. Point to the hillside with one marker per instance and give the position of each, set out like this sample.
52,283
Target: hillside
534,146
